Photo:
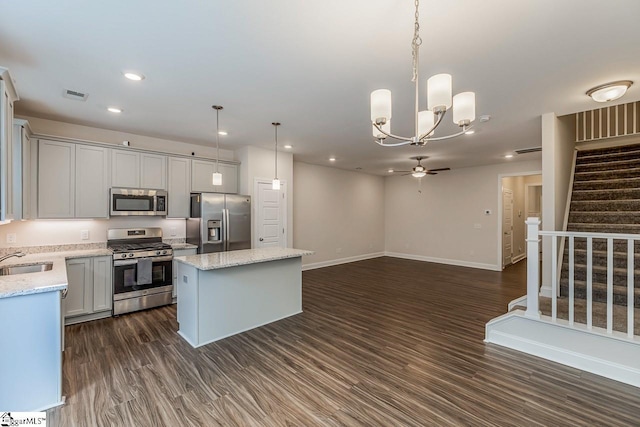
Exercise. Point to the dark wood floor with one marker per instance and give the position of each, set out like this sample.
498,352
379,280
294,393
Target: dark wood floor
385,342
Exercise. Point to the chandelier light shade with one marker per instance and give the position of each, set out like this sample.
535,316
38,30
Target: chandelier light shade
609,91
275,184
216,178
439,101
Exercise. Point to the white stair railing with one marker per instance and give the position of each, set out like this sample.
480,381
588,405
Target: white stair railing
534,236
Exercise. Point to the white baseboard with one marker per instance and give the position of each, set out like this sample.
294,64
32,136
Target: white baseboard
612,356
444,261
518,258
339,261
545,291
522,302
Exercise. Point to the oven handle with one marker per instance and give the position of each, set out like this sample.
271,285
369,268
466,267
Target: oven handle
118,263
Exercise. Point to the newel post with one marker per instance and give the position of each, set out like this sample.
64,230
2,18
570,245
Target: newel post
533,267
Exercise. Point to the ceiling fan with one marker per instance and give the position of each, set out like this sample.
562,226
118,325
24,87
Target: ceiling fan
419,171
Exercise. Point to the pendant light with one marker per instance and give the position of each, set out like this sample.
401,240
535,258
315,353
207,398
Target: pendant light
276,182
216,178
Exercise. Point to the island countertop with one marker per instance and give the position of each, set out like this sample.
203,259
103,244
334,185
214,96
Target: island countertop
219,260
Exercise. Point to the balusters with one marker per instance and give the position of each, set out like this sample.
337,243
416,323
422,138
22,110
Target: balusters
589,282
554,278
571,279
630,286
609,285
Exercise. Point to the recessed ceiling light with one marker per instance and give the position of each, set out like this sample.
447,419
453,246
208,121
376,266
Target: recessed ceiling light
223,133
609,91
288,147
114,110
134,76
390,171
508,156
332,159
470,132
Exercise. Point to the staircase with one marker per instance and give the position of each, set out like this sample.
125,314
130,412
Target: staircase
605,199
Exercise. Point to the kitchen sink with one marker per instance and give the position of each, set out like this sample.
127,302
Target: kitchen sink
28,268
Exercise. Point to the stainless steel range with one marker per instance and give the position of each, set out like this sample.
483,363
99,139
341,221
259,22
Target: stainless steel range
142,269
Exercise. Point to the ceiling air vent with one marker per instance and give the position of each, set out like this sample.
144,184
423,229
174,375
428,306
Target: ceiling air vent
529,150
75,95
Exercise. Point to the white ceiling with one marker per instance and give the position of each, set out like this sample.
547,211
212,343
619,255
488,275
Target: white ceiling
312,65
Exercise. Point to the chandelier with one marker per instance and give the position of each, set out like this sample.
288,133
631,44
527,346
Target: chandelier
439,101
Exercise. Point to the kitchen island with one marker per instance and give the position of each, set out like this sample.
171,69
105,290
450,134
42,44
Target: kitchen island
225,293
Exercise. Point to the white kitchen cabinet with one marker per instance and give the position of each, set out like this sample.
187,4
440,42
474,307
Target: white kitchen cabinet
177,253
179,187
131,169
8,96
92,182
89,289
79,298
201,177
21,170
56,179
102,285
125,169
153,171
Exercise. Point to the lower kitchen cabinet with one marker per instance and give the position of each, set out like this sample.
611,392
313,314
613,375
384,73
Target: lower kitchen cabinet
89,289
176,253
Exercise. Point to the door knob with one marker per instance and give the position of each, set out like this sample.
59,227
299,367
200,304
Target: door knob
261,239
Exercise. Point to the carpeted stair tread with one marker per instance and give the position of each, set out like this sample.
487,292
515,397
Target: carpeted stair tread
599,274
621,164
599,311
603,217
607,158
599,257
619,245
604,227
626,205
607,174
599,292
607,184
606,194
620,149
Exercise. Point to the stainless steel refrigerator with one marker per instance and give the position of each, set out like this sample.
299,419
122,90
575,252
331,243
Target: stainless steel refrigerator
219,222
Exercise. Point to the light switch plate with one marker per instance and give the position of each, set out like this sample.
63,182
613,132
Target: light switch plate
84,234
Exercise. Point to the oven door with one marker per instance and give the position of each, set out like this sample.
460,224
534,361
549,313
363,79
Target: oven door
125,275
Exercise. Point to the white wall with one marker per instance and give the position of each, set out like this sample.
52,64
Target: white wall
446,222
338,214
63,232
258,163
558,148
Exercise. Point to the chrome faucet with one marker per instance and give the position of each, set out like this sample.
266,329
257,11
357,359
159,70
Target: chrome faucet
16,254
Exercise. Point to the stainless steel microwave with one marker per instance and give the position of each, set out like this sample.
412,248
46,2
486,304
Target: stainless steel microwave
133,201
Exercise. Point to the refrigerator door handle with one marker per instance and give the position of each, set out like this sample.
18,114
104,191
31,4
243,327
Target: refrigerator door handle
225,213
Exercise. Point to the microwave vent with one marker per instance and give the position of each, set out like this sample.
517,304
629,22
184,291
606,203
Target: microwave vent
75,95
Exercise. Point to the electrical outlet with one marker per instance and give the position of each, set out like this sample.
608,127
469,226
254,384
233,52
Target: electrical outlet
84,234
173,231
11,237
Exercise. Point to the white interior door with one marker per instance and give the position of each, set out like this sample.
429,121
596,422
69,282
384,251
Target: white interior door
270,219
507,226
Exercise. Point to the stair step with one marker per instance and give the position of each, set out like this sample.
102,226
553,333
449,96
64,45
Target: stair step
599,292
605,205
599,274
608,151
604,228
607,174
614,217
617,165
600,245
615,194
607,184
606,158
599,257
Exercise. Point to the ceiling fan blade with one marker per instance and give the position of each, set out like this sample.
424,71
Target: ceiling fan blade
432,173
439,169
405,174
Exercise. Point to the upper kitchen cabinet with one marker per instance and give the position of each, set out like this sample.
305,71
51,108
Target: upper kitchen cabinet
179,187
201,177
73,180
92,182
56,179
21,176
131,169
8,96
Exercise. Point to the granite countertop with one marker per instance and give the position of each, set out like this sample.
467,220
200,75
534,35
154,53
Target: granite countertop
243,257
178,246
46,281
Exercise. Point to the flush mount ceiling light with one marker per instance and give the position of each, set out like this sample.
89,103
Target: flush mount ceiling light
114,110
508,156
288,147
332,159
223,133
216,178
609,91
276,182
136,77
439,101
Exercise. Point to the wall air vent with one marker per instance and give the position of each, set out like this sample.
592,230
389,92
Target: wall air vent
75,95
529,150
